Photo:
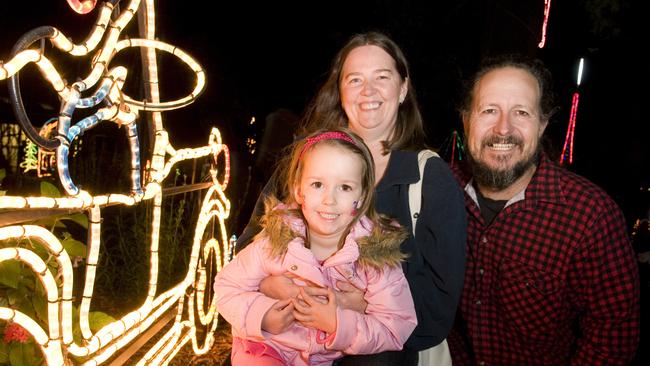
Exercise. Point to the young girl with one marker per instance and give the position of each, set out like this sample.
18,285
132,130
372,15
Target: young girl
326,231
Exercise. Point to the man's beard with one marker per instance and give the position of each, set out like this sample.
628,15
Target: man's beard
500,179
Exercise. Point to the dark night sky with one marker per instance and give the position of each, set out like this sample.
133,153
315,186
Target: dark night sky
259,57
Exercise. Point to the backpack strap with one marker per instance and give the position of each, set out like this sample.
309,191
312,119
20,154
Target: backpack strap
415,189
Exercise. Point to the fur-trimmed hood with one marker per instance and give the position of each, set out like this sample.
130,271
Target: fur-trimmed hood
377,248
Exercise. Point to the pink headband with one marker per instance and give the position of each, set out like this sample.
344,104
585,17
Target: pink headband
331,135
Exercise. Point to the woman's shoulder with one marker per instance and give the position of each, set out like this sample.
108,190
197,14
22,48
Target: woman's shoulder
439,183
438,170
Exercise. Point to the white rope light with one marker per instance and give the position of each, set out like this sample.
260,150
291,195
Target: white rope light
207,252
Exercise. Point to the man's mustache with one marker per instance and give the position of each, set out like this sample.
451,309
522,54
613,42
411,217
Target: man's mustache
491,140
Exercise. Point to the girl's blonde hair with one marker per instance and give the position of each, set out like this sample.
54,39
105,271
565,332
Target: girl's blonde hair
293,167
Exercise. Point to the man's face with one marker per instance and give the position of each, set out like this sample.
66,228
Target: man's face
504,127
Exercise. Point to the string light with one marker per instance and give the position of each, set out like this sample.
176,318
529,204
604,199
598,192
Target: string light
580,68
547,11
567,149
456,145
82,6
210,247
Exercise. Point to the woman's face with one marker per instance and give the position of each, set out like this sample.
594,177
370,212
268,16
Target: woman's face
371,91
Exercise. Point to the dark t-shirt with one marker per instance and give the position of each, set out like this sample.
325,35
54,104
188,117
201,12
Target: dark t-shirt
489,207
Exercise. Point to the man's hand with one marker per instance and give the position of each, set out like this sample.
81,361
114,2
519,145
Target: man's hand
279,287
347,296
279,317
310,312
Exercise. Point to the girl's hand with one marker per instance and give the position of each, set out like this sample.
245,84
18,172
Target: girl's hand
279,317
311,312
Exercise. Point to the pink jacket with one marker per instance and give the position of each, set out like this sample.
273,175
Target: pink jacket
389,319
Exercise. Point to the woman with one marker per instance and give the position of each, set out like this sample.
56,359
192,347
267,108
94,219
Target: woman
369,91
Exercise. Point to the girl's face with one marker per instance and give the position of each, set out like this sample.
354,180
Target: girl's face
371,90
329,190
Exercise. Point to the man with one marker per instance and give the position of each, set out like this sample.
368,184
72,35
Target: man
551,277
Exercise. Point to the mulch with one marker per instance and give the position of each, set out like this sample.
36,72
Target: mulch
219,354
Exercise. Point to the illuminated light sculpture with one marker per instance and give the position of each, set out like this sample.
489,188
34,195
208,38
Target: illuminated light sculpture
547,11
83,6
567,149
30,161
457,148
210,246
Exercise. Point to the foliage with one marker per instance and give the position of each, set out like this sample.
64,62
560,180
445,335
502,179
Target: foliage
3,174
21,289
126,232
606,16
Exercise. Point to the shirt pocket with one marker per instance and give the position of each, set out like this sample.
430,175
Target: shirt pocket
529,300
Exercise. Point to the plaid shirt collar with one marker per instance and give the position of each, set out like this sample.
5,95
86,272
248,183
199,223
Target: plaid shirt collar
543,187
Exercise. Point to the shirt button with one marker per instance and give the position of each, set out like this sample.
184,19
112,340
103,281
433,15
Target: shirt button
294,267
484,240
478,302
481,271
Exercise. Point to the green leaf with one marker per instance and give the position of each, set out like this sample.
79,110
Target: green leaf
27,308
10,273
79,218
49,190
97,320
76,329
32,353
28,282
40,307
16,296
4,353
41,251
49,222
17,354
74,247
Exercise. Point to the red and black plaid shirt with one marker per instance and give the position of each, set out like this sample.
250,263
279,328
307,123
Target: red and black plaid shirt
551,281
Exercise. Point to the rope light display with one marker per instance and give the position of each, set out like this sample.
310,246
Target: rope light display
567,149
547,11
102,91
455,144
